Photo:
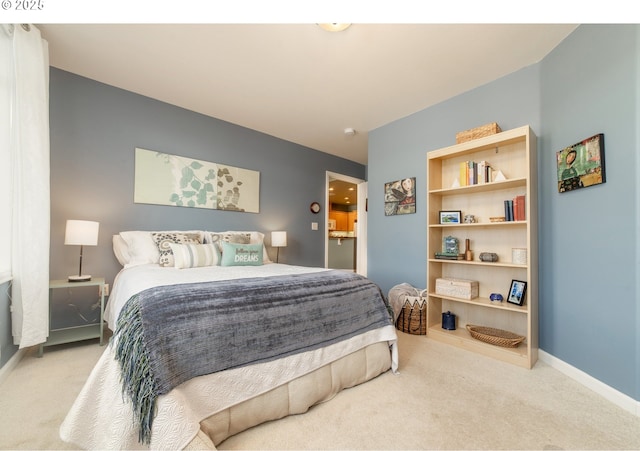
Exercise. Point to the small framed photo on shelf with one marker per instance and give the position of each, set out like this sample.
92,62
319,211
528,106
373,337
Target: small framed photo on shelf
450,217
517,291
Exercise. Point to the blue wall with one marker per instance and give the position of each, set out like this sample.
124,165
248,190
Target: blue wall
588,240
399,150
94,131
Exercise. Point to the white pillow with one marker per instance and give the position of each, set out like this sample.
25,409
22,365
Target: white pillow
141,247
120,249
194,255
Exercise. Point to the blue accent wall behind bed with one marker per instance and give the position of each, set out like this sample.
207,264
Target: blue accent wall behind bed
94,131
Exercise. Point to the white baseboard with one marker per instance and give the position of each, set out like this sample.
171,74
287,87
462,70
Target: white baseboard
620,399
12,363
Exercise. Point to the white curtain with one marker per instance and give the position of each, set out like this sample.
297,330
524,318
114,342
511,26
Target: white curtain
28,84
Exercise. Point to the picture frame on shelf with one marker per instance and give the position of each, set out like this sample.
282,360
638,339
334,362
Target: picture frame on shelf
450,216
517,292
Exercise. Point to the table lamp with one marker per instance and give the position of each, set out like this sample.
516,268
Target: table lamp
83,233
278,240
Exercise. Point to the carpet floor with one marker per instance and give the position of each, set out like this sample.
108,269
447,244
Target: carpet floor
443,398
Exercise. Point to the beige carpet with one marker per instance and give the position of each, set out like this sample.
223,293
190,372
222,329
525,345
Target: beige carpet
443,398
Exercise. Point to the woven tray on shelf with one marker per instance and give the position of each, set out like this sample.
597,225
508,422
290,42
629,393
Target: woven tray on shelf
494,336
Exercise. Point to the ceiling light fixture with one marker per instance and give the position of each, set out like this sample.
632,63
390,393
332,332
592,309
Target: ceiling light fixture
334,27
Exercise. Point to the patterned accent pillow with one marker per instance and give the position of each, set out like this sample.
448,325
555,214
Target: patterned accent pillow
164,239
194,255
241,254
218,238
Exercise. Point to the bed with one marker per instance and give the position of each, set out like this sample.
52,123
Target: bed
271,371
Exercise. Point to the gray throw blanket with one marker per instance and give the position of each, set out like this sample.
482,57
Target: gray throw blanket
169,334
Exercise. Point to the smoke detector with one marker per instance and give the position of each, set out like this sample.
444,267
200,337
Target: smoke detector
349,131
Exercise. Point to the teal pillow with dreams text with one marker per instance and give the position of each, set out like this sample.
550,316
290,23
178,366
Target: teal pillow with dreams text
235,254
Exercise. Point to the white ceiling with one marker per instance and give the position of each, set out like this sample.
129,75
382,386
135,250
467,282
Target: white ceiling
298,82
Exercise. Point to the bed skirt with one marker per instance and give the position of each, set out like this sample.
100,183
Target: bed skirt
202,412
294,397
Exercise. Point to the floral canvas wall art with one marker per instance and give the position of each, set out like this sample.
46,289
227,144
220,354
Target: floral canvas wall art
165,179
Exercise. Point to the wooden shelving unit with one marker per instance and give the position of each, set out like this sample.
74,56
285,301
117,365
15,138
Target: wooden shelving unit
513,152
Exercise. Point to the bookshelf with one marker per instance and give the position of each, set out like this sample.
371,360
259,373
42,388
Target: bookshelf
513,153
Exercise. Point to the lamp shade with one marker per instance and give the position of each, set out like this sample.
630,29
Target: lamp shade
279,239
84,233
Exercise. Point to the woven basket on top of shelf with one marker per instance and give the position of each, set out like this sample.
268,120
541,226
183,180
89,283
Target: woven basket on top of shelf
494,336
478,132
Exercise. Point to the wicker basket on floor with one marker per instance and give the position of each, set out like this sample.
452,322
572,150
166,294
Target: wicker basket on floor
494,336
413,317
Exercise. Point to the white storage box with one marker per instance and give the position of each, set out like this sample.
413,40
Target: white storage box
458,288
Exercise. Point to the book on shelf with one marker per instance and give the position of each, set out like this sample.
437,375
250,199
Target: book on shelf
514,209
508,210
472,174
482,172
447,256
475,173
518,208
464,170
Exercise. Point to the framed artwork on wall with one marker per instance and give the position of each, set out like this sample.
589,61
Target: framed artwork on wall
581,165
165,179
400,197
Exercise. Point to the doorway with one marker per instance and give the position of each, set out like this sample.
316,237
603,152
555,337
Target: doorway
345,217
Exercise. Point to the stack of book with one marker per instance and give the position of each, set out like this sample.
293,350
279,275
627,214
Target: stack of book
514,209
448,256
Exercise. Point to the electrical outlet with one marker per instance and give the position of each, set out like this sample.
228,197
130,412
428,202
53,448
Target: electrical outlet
105,290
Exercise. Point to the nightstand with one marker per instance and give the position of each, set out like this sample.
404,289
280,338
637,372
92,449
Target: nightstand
75,333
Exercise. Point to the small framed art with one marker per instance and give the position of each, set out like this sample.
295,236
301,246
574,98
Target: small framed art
400,197
517,292
450,217
581,164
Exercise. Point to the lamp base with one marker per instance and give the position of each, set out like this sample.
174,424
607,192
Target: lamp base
80,278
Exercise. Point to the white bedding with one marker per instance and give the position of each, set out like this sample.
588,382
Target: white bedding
101,418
